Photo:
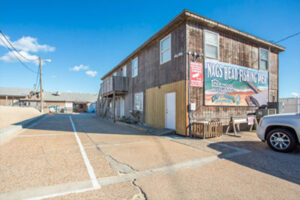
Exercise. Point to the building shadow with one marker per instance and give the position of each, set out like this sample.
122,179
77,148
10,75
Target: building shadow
260,157
263,159
84,122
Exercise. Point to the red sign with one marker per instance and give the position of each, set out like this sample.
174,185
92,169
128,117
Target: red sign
196,71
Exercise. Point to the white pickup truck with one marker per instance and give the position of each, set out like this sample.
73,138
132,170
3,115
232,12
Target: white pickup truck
281,131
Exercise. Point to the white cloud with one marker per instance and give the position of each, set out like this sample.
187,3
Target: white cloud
85,68
53,76
79,67
31,44
26,43
3,42
295,94
91,73
11,57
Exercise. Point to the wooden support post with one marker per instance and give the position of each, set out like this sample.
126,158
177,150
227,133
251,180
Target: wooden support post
114,106
228,127
234,128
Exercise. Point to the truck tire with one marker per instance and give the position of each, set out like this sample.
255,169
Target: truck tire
281,140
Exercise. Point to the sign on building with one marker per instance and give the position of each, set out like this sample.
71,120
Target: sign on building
196,71
233,85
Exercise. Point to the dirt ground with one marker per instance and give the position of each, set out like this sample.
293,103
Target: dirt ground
67,156
10,115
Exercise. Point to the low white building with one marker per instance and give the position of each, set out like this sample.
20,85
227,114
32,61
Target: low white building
289,105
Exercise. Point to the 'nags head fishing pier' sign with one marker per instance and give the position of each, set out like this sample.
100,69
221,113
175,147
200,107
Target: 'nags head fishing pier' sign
232,85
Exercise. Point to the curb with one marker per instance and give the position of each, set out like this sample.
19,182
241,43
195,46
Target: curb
6,134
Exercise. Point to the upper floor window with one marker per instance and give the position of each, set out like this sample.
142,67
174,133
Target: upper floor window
211,44
135,67
138,101
124,71
165,49
115,74
263,59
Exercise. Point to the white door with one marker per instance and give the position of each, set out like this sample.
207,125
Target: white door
170,110
122,107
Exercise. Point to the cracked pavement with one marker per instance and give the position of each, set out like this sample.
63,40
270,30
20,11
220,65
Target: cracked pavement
45,162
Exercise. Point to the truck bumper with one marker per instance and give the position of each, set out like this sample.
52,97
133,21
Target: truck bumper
261,133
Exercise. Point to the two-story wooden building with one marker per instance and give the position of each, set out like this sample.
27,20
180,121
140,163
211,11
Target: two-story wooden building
219,71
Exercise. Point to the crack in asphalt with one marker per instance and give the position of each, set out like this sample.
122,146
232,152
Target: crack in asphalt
121,168
141,195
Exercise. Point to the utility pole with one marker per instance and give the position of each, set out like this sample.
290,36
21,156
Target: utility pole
41,88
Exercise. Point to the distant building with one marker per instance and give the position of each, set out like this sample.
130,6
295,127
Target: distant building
11,96
60,101
289,105
231,73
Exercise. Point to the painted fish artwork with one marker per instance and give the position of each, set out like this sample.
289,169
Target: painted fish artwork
232,85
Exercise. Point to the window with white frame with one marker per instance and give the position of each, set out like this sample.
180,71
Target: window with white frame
165,49
135,67
115,74
124,71
211,44
138,101
263,59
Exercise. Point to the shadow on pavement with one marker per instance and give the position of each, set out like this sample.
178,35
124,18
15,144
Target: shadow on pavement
263,159
84,122
260,158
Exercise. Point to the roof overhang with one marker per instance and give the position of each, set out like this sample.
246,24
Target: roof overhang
226,28
188,15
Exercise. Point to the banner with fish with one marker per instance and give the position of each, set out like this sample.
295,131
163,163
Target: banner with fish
232,85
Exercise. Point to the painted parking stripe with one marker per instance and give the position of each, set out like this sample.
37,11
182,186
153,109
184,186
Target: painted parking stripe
88,165
62,194
39,135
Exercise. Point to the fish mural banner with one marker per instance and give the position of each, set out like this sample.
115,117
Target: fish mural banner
232,85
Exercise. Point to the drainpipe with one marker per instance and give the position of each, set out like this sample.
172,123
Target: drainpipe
189,96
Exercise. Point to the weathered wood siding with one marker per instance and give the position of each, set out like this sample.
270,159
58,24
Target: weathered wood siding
150,72
154,79
234,50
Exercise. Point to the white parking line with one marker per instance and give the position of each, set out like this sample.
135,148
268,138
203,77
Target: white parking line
61,194
88,165
39,135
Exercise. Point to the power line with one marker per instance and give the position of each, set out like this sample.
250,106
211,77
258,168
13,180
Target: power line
26,66
288,37
14,47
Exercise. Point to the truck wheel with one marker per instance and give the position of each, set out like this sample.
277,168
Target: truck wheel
281,140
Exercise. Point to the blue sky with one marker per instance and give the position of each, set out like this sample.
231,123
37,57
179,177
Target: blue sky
97,35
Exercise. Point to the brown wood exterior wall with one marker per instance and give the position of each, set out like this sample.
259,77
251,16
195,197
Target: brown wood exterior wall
188,37
233,50
150,72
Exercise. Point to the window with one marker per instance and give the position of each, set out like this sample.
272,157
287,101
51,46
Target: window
138,101
135,67
124,71
263,59
115,74
211,44
165,49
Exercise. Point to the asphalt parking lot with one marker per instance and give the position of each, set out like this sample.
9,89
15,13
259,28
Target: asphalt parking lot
79,156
